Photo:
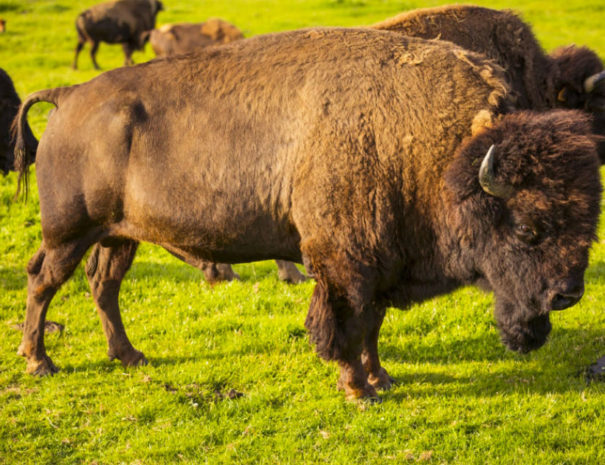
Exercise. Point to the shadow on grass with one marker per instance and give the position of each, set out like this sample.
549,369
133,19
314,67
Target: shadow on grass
595,273
485,348
107,366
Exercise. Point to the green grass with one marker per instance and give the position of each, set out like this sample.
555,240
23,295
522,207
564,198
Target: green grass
460,397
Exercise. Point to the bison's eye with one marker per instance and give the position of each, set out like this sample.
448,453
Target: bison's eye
526,233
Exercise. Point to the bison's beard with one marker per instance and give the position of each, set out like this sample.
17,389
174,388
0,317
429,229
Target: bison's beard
519,330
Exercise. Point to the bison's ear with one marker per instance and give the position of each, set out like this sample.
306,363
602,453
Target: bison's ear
461,176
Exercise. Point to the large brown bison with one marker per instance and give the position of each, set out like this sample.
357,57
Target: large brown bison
347,147
123,22
9,106
570,77
174,39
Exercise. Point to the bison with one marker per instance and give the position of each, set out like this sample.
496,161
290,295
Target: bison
123,22
570,77
9,106
174,39
394,166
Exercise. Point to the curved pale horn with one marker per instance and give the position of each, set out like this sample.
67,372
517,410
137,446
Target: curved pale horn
592,81
487,178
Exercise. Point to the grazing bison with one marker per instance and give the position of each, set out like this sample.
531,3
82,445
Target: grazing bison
346,147
9,106
571,77
174,39
123,22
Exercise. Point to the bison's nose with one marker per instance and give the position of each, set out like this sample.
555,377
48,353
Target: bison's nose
569,295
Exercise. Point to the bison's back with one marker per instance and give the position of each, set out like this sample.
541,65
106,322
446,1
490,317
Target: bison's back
200,150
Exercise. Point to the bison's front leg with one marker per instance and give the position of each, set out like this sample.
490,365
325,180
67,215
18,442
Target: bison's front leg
377,375
128,48
335,325
105,269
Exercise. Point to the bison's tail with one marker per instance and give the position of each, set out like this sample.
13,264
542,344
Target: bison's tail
25,147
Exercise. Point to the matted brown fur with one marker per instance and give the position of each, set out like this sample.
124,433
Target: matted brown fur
345,146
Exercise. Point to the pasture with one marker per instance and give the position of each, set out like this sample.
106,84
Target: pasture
232,377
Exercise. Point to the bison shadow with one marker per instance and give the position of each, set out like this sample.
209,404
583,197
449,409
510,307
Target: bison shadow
595,273
488,348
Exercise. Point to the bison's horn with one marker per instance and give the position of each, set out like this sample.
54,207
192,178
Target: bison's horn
591,82
487,178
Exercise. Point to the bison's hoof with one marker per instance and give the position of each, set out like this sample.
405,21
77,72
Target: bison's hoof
42,367
300,278
366,393
133,359
291,275
382,380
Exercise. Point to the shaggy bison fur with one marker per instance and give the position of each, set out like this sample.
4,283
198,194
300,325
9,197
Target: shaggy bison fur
346,147
571,77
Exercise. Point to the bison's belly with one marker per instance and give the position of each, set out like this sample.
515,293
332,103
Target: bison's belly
235,224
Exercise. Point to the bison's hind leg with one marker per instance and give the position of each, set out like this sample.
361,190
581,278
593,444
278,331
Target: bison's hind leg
105,269
47,270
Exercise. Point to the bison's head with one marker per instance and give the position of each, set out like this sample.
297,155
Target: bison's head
526,197
581,85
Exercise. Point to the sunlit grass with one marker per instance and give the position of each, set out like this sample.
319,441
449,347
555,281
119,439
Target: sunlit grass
460,396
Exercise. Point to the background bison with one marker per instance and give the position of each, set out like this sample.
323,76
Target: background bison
571,77
350,149
123,22
9,106
174,39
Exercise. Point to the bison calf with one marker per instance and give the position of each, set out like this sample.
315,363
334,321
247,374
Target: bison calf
125,22
348,147
174,39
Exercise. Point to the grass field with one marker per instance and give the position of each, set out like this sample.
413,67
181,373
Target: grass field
460,396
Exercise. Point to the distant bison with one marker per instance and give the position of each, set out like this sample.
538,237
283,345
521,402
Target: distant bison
346,147
9,107
123,22
174,39
571,77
